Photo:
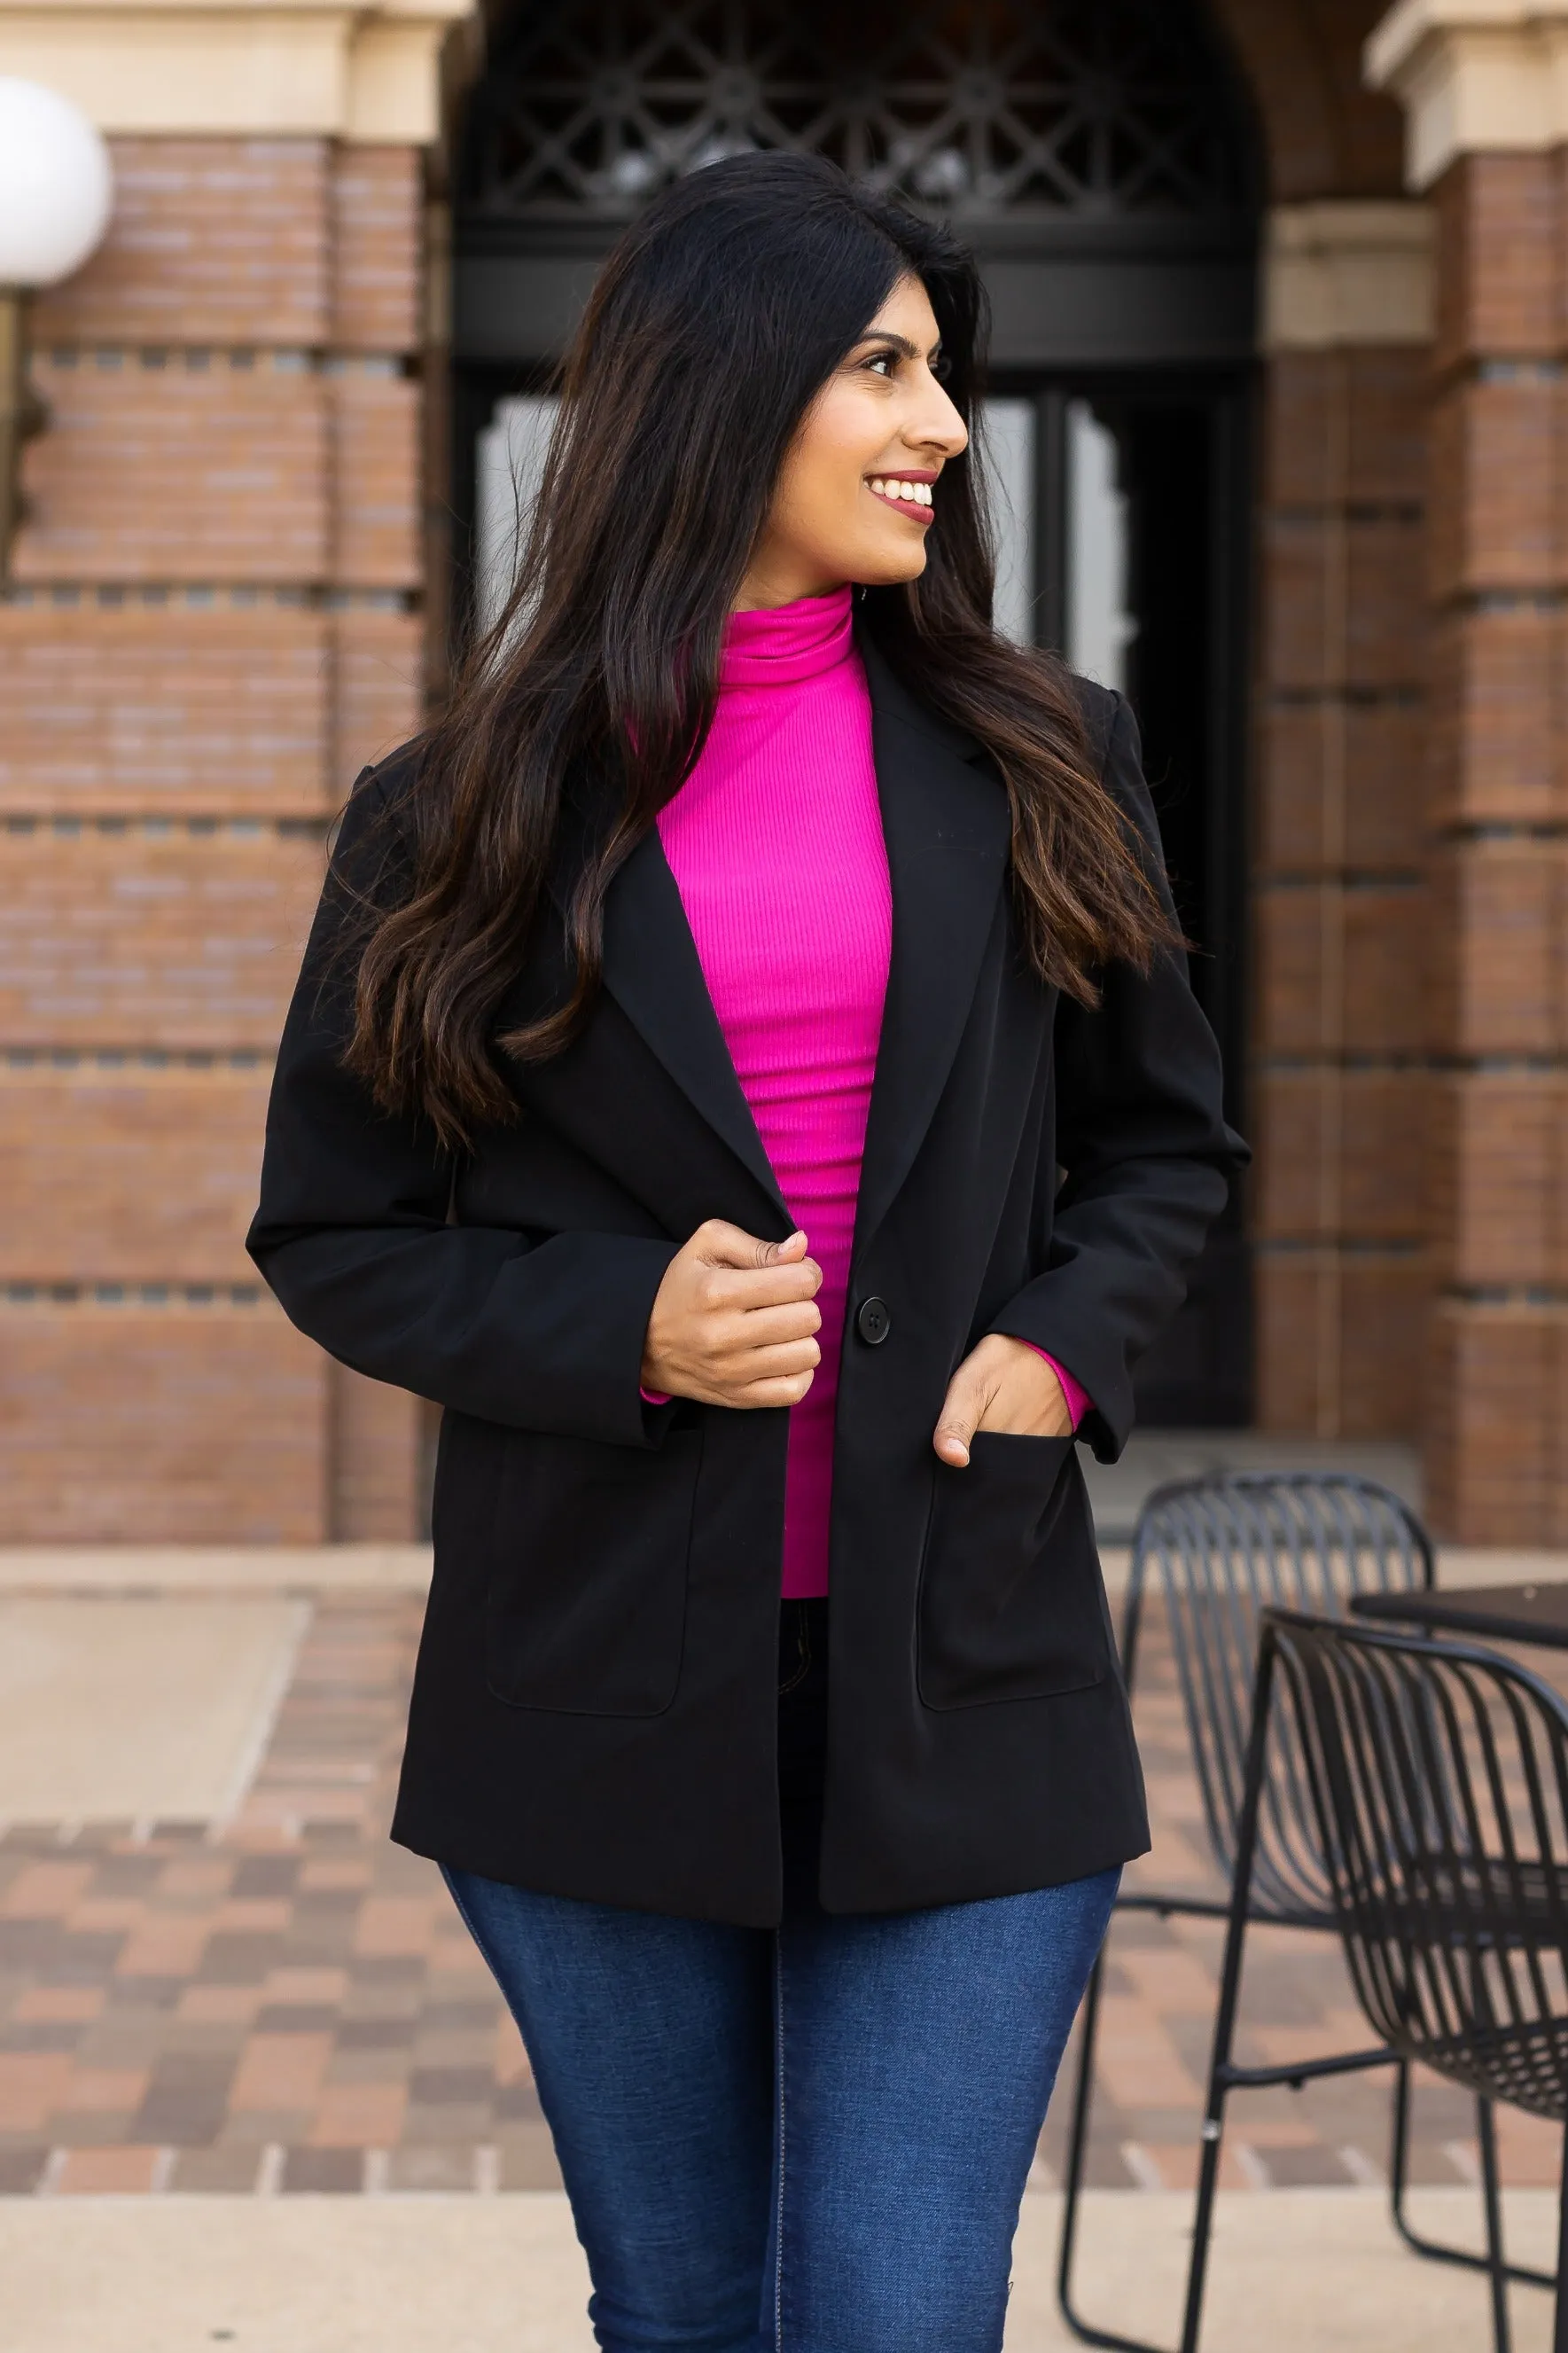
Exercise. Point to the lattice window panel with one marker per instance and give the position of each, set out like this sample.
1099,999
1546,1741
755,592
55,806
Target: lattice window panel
1098,108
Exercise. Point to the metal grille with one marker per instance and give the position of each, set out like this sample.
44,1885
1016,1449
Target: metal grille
1224,1549
1096,108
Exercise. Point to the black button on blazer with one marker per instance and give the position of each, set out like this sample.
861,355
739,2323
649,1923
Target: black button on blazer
593,1707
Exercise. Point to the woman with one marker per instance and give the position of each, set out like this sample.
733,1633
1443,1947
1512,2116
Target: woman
694,1032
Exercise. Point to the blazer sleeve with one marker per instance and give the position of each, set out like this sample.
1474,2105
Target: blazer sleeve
354,1233
1147,1155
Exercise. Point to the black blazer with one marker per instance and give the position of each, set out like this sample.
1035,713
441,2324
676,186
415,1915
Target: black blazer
593,1707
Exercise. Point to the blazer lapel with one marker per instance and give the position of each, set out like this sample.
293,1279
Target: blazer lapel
948,830
653,971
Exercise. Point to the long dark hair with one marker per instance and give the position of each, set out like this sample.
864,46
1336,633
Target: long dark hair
715,323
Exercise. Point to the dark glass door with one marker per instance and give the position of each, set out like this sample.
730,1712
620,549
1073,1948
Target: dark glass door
1102,158
1122,507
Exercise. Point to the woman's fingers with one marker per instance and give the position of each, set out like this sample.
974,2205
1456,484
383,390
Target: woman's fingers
959,1417
766,1327
789,1391
731,1311
716,1242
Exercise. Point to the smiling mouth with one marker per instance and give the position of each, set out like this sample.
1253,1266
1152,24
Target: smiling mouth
906,494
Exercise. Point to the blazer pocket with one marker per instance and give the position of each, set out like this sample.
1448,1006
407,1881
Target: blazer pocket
585,1602
1011,1602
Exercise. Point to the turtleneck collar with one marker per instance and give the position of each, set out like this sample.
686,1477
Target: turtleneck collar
782,644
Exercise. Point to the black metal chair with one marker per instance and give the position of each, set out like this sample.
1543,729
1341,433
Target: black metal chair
1437,1774
1223,1549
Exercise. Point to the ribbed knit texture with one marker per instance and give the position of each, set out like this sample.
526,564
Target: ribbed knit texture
775,843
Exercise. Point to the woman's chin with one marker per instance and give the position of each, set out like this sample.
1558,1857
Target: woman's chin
886,570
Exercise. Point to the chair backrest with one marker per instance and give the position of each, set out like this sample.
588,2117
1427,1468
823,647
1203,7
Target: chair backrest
1223,1549
1438,1774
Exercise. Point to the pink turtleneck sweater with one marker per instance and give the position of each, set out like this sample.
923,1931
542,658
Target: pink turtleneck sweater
775,843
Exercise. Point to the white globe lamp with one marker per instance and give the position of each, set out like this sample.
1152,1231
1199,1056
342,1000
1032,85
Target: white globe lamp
56,189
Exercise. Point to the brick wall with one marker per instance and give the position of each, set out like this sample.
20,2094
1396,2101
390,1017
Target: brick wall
1342,902
1498,1447
218,619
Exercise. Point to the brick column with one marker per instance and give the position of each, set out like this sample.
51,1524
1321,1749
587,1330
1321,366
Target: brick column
218,618
1482,90
1340,906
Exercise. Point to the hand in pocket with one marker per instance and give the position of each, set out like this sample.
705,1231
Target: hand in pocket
1003,1386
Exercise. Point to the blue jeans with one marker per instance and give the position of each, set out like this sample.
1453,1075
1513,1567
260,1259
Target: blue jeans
814,2138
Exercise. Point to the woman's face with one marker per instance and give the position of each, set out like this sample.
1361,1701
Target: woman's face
861,481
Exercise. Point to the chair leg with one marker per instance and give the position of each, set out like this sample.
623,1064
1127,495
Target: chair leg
1486,2135
1072,2188
1078,2145
1560,2327
1434,2250
1208,2184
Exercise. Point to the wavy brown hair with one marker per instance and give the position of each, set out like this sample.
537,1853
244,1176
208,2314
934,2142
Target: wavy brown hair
711,327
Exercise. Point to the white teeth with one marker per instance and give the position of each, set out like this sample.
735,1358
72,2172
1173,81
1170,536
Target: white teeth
880,485
922,492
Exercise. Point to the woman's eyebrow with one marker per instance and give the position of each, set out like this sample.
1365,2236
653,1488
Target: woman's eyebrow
900,344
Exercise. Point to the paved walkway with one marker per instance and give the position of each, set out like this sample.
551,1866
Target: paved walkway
274,2008
286,2001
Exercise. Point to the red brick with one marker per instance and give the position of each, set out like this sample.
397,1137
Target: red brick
1345,602
1493,1433
379,699
213,241
1297,1300
1499,245
1498,906
378,197
140,1175
1342,1153
1495,451
218,474
163,711
1342,1341
201,1425
178,942
1501,1163
1341,784
1497,720
378,1461
376,445
1383,1315
1346,428
1342,968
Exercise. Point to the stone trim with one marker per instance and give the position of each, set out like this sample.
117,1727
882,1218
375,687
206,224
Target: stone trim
1474,76
1344,274
368,71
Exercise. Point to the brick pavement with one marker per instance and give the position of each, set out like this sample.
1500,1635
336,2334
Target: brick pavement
294,2005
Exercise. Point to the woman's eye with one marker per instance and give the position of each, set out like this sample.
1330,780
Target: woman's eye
941,367
883,362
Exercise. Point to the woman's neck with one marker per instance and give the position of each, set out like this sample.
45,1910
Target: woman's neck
779,645
765,588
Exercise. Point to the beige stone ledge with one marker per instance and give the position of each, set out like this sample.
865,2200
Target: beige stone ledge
1337,274
210,1569
1297,2270
364,70
1474,76
405,1568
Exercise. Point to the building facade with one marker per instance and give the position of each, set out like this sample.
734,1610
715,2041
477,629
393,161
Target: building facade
1301,263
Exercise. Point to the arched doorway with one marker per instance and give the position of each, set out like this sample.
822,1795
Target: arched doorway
1101,157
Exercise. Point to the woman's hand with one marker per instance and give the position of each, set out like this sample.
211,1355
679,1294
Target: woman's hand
733,1321
1002,1385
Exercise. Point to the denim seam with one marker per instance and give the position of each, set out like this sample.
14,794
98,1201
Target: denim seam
779,2210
